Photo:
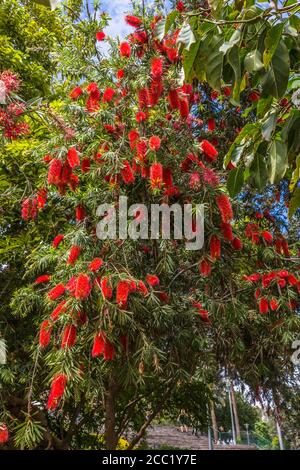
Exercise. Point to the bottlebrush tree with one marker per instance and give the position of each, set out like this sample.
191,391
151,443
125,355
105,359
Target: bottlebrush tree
121,324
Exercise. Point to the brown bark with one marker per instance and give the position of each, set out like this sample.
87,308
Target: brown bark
235,414
111,436
214,421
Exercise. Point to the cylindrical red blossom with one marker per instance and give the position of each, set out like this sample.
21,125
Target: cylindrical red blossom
108,95
205,268
56,292
209,150
254,95
41,197
152,280
96,264
195,181
85,165
93,91
100,35
106,288
184,107
42,279
267,236
73,254
73,158
237,244
57,240
83,286
79,213
141,287
141,149
154,142
57,390
157,67
263,305
211,124
140,116
173,99
215,247
227,231
292,280
281,283
120,74
133,21
45,333
109,351
127,173
125,49
76,92
58,310
167,177
172,53
274,304
253,277
4,434
69,336
98,345
123,290
156,175
180,6
143,98
54,172
225,208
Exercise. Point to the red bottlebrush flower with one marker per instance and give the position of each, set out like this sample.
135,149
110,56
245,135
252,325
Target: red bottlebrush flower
152,280
123,290
143,98
227,231
109,351
225,208
85,165
73,254
57,390
267,236
209,150
214,95
45,333
55,168
172,54
210,177
120,74
43,278
156,175
281,283
133,21
141,148
57,240
125,49
41,197
83,286
133,136
227,91
211,124
163,297
93,91
167,177
254,96
75,93
237,244
69,336
274,304
4,435
173,99
253,277
205,268
154,142
215,247
204,315
58,310
142,288
100,36
292,280
157,67
127,173
106,288
96,264
73,158
140,116
263,305
92,105
257,293
56,292
108,95
79,213
195,181
180,6
184,107
99,343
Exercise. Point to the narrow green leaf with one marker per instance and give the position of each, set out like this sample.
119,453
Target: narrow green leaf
186,36
294,202
170,20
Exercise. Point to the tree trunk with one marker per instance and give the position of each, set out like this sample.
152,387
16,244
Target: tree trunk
214,421
111,436
235,413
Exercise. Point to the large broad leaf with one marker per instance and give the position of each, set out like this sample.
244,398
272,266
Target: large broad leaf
258,171
272,39
268,126
216,6
278,161
275,80
186,36
159,30
253,62
189,60
213,59
294,202
235,181
170,20
48,3
233,58
296,174
235,39
248,132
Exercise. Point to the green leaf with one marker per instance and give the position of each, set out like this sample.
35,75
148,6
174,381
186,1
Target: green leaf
263,105
186,36
294,202
278,161
170,20
189,60
235,39
276,79
212,58
250,130
48,3
159,30
233,58
235,181
253,61
258,171
296,174
272,39
268,126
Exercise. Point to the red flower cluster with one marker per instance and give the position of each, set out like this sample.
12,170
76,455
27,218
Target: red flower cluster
42,279
69,336
57,390
83,287
73,254
152,280
102,346
56,292
45,333
57,240
225,208
4,435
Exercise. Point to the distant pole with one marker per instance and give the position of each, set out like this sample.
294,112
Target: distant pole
247,430
210,443
231,413
279,433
